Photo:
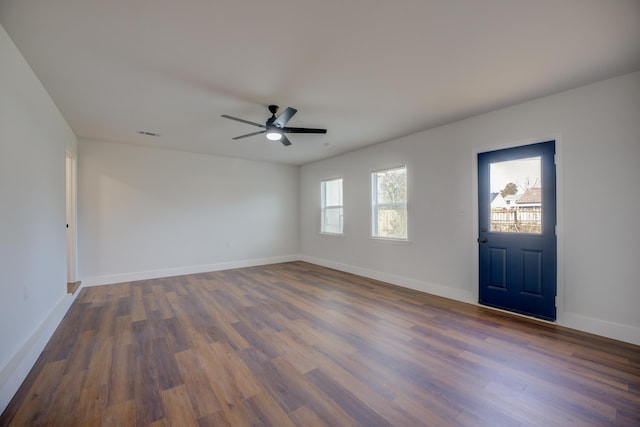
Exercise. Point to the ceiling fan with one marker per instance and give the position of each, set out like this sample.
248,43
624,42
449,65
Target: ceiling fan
275,126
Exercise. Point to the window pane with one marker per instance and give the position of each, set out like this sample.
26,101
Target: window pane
516,196
392,222
392,185
333,192
333,220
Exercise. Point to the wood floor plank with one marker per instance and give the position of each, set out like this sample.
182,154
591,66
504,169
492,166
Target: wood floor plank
37,401
120,385
313,396
295,344
437,413
92,404
273,382
305,417
178,409
235,370
269,412
353,406
122,414
226,390
123,333
292,350
145,378
202,396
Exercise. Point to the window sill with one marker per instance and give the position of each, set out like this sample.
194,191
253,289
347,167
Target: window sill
391,240
339,236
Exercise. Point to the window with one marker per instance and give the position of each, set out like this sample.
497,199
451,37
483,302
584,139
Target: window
331,203
389,203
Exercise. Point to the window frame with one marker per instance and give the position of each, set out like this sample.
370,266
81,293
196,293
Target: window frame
373,229
324,207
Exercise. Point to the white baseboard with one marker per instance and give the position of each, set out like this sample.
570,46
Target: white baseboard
603,328
179,271
16,370
418,285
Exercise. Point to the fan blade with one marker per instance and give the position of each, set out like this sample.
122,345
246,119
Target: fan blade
250,134
243,121
285,117
303,130
285,141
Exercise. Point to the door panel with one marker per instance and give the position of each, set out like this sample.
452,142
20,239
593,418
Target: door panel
498,266
532,272
516,239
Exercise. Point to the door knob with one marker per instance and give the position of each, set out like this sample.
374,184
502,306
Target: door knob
482,240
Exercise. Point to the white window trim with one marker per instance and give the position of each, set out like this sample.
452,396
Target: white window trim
324,207
373,198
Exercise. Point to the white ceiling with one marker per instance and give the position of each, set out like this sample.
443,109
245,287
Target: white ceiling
368,71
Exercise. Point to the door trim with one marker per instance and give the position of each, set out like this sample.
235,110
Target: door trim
71,185
560,244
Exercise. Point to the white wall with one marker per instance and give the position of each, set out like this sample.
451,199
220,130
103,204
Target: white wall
146,212
33,140
597,128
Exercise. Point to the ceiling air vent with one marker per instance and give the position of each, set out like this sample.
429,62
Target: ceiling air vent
146,133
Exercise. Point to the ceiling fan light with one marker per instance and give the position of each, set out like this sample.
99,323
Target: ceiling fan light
274,135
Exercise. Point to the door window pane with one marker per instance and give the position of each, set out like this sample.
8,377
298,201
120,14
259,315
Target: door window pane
516,196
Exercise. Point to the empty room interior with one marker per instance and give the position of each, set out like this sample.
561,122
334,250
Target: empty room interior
327,213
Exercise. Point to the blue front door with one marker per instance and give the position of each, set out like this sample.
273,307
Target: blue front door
517,229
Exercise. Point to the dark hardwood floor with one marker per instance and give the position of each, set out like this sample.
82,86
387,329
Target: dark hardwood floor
300,345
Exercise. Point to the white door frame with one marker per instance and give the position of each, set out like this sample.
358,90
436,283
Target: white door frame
560,245
71,206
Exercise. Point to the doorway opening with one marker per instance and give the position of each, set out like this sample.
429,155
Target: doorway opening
70,181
